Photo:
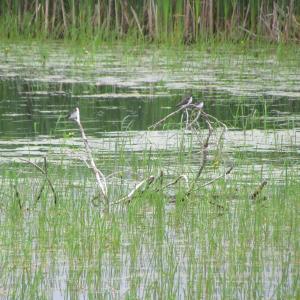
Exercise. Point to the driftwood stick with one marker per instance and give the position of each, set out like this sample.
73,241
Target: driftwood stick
204,156
184,177
208,116
205,150
148,181
167,117
100,178
195,119
217,178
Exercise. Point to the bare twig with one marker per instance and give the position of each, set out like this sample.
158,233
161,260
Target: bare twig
217,178
184,177
167,117
258,190
204,157
148,181
100,178
46,177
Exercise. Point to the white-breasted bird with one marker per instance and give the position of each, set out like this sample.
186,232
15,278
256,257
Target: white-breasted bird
74,115
199,105
185,101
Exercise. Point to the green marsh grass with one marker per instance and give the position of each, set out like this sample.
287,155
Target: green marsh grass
182,21
219,243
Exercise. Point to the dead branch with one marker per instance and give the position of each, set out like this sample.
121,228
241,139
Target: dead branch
127,199
100,178
167,117
258,190
180,177
217,178
46,177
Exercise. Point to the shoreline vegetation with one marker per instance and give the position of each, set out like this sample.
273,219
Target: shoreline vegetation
174,22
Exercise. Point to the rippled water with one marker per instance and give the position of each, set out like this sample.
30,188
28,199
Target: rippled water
117,89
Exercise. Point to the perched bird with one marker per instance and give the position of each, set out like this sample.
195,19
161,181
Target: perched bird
185,101
199,105
74,115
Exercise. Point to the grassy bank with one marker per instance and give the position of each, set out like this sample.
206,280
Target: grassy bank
182,21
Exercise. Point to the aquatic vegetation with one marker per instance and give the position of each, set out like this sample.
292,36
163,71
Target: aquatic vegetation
234,236
182,21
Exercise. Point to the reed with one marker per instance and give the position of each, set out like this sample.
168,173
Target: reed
184,21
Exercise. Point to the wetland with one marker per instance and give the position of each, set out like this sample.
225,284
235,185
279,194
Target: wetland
220,243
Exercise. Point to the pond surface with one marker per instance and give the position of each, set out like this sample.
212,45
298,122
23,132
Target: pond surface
120,89
120,92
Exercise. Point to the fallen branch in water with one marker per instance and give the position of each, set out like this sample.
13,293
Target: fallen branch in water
217,178
174,182
127,199
204,157
100,178
194,117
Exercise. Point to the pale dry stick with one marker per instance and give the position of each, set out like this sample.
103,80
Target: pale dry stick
46,177
187,118
217,178
175,181
204,156
100,178
167,117
205,150
195,119
208,116
138,187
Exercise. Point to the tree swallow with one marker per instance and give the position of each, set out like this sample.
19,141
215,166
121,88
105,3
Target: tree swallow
185,101
199,105
74,115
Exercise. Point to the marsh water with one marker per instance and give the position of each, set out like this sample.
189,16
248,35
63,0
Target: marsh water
122,91
119,89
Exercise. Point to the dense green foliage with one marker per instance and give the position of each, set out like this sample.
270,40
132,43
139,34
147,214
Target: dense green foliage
168,21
